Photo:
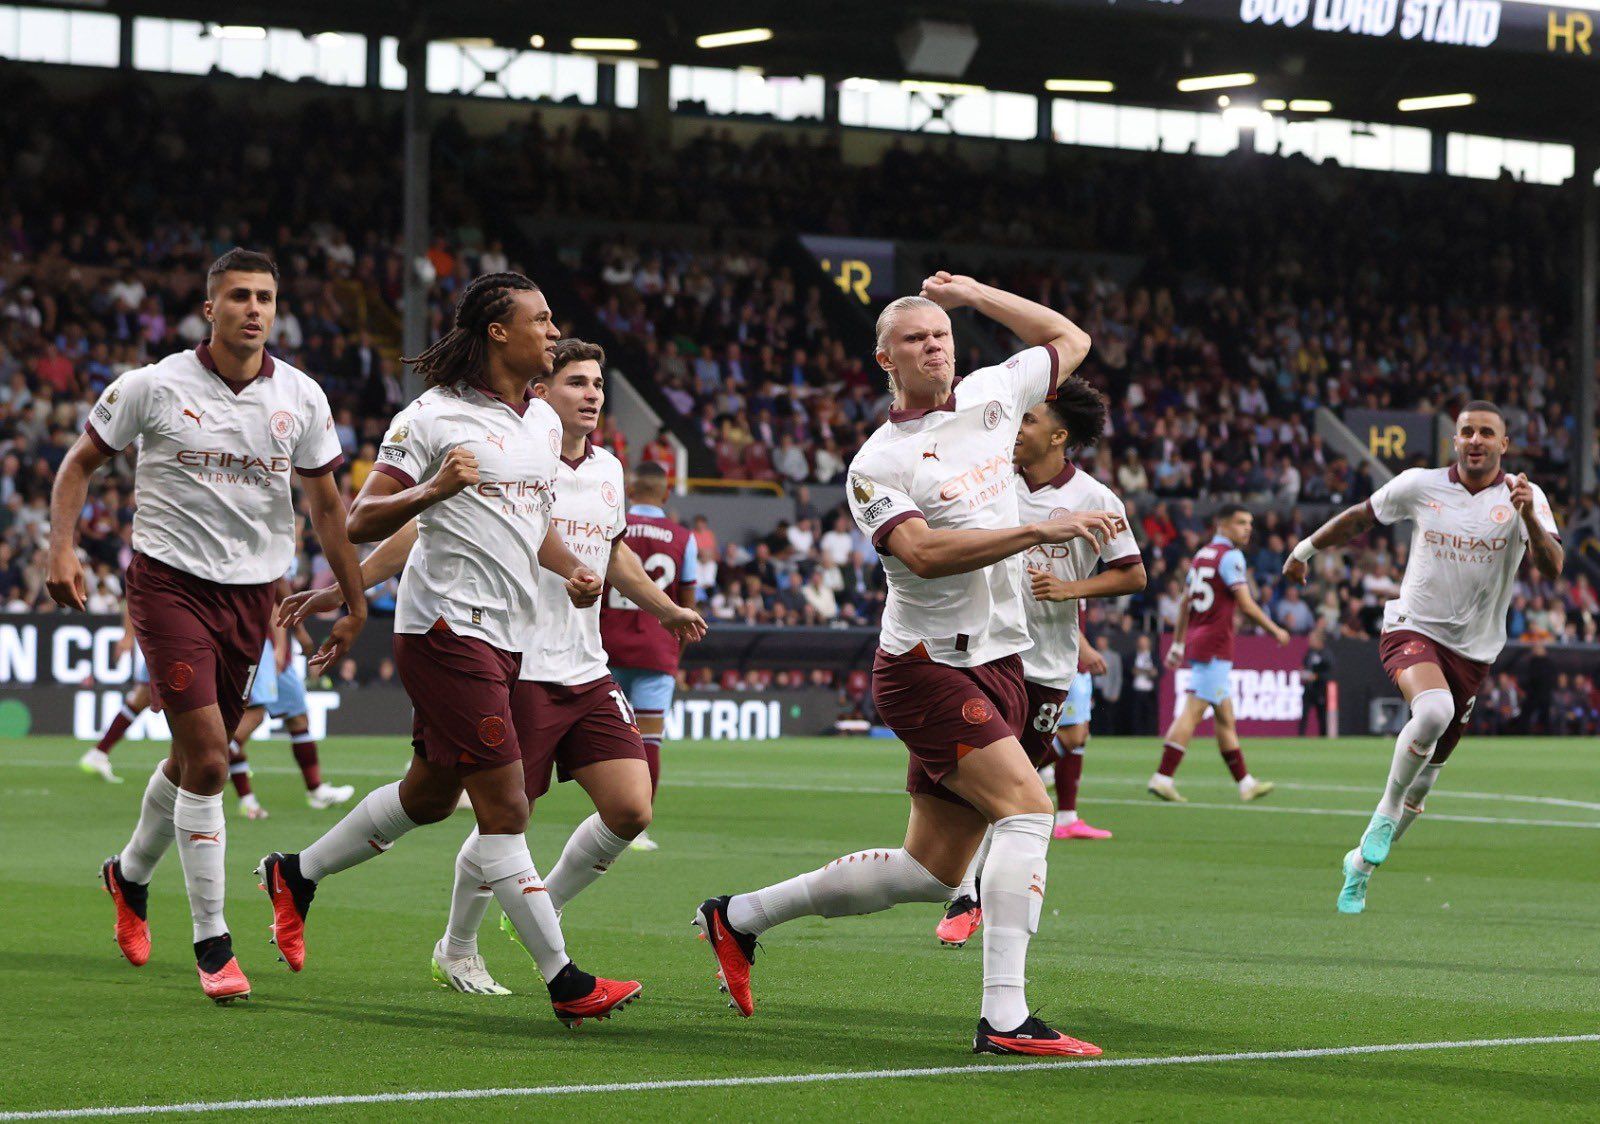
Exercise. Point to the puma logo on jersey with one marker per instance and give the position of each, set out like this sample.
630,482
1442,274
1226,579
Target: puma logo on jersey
931,453
188,413
498,440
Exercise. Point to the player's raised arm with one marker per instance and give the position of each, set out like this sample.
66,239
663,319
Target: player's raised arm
1031,322
1543,543
389,501
70,492
1336,532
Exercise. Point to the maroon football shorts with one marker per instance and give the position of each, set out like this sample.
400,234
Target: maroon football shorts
1039,726
460,690
200,639
943,713
1404,648
570,727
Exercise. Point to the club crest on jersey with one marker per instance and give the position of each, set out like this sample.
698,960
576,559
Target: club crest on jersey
1414,648
492,730
282,423
1501,513
991,415
977,711
555,443
1059,513
608,493
861,488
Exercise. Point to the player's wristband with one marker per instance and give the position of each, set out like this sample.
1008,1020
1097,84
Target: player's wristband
1303,550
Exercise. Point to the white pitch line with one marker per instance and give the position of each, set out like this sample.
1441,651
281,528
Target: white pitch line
864,790
1003,1069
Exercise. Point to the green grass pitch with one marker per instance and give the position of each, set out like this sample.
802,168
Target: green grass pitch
1200,929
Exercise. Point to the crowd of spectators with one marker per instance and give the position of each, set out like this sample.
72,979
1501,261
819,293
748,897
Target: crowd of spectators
1213,381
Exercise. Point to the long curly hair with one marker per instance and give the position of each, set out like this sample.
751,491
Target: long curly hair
461,355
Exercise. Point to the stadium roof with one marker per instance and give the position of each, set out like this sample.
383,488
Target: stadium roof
1534,72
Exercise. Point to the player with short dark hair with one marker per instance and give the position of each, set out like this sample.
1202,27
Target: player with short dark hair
474,462
1218,584
1472,526
220,428
1061,576
644,654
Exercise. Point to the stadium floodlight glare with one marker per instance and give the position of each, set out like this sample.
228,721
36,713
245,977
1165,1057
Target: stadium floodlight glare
603,43
859,84
1310,105
1080,86
926,86
1435,101
237,31
1215,82
1246,116
328,38
733,38
1272,105
536,41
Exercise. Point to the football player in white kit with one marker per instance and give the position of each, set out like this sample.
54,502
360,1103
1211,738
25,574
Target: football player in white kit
1472,526
1061,576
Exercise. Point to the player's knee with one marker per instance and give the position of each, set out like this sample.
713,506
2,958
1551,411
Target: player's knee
628,819
1431,713
204,773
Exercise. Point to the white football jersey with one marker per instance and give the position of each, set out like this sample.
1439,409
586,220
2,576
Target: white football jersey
476,562
589,515
952,467
1053,659
211,487
1465,551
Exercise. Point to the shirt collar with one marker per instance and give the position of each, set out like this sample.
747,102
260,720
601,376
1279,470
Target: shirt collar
1058,480
520,407
1223,540
202,352
648,510
588,451
1455,478
948,406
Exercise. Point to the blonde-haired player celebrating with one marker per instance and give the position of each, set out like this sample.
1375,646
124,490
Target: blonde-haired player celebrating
936,490
1473,524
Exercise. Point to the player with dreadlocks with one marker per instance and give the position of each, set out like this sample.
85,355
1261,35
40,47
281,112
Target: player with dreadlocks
1062,575
474,461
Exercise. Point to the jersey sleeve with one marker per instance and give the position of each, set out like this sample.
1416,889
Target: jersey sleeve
123,411
1232,569
407,450
1121,549
1027,378
877,507
1395,500
691,562
1542,513
318,453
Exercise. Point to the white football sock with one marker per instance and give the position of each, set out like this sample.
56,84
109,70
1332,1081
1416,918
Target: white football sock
1013,897
469,901
865,882
589,853
370,829
969,880
1066,819
507,866
1416,797
153,834
203,849
1432,711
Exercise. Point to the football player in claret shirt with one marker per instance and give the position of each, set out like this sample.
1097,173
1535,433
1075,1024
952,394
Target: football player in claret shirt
644,653
936,489
1472,525
1218,584
220,430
